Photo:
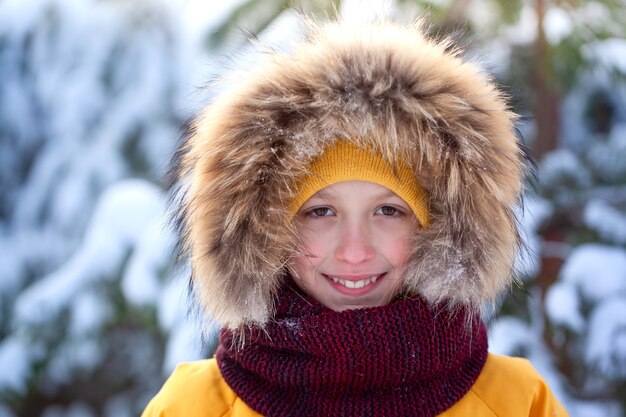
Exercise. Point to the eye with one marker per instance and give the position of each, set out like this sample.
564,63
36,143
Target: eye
389,211
319,212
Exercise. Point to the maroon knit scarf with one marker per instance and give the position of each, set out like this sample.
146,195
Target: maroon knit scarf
403,359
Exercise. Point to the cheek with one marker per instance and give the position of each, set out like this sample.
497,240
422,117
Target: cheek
314,242
303,266
397,250
313,250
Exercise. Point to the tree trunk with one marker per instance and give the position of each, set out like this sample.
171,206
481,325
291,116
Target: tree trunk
546,104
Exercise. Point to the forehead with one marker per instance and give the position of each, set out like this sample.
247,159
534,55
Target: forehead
354,189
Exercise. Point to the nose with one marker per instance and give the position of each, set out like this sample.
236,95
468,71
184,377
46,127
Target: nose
354,244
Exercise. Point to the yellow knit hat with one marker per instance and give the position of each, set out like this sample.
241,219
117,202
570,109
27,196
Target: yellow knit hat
344,161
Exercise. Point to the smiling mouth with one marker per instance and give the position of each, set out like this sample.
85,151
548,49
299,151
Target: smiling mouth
355,284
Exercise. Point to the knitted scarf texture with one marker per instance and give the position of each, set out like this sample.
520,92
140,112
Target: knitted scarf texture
403,359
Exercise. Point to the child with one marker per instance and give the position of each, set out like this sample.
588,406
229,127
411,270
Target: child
349,213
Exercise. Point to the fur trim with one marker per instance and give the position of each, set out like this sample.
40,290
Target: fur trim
380,84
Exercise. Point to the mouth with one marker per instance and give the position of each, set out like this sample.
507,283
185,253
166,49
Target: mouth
354,285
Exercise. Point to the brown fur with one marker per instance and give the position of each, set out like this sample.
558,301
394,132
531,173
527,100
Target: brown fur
380,84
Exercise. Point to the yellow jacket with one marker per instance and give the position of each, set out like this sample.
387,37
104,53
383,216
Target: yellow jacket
506,387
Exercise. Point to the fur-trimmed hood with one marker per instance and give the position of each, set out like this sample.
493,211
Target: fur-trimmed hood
381,85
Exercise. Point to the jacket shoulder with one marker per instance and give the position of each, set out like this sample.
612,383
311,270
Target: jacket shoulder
512,387
195,389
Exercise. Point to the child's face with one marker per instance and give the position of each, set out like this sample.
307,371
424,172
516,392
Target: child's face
355,237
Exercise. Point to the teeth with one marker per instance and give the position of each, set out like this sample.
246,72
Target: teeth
355,284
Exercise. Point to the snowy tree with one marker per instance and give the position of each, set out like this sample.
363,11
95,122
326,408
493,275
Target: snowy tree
575,329
92,94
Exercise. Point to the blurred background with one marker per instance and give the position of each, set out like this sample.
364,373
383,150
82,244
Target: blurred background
94,94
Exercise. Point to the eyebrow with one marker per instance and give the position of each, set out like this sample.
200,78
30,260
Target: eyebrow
323,194
386,194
